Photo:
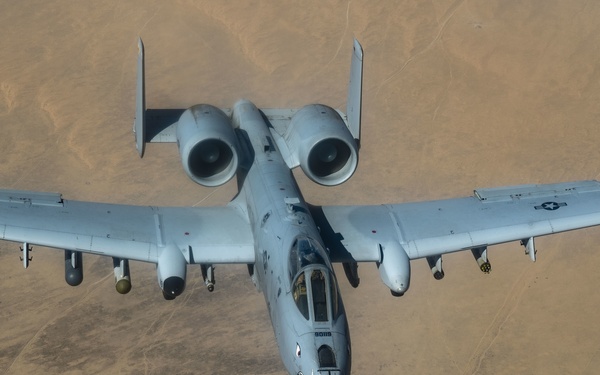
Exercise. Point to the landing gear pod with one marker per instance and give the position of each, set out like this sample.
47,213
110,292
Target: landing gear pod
171,272
122,275
394,268
73,267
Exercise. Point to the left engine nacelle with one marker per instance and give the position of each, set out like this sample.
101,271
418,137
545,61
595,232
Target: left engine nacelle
207,144
171,271
325,148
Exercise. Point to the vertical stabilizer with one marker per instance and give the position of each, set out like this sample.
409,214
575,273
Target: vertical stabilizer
139,126
354,103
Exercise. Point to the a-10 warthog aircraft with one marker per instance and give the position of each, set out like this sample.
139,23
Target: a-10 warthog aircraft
288,244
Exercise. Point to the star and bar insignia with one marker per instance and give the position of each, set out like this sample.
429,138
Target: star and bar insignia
550,206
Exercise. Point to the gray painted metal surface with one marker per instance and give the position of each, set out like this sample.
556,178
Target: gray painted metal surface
288,244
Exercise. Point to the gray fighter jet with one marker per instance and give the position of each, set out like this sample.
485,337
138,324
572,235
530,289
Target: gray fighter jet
288,244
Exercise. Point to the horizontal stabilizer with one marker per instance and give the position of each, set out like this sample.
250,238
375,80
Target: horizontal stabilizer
160,124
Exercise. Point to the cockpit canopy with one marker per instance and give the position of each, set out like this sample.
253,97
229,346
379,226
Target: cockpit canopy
305,251
313,287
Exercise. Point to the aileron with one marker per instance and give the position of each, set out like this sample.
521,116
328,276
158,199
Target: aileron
533,191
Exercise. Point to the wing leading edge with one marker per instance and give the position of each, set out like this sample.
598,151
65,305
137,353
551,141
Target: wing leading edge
208,235
490,216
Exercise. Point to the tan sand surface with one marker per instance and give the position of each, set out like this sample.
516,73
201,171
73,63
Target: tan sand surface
457,95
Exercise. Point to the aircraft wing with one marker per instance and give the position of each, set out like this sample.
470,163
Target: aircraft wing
490,216
209,235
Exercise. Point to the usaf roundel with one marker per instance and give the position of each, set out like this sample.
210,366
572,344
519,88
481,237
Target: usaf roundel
550,206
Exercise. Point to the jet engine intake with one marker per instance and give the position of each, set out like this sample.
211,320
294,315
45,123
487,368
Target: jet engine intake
208,145
171,272
326,150
394,268
73,267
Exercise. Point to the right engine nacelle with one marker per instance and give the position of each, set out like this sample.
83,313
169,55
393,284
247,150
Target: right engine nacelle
207,144
325,148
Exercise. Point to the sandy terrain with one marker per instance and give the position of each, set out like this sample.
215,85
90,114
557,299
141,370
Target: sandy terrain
457,95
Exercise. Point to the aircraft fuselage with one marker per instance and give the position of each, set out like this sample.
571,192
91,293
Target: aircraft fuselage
292,269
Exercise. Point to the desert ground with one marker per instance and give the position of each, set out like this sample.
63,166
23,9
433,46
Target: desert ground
457,95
